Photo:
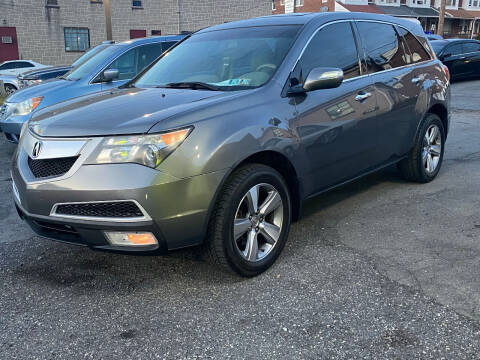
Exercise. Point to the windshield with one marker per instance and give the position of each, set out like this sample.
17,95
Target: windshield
91,64
437,46
231,59
88,54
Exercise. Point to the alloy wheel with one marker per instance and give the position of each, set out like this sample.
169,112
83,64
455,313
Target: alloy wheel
432,149
258,222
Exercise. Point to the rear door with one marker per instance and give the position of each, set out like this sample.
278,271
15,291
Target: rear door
388,63
336,127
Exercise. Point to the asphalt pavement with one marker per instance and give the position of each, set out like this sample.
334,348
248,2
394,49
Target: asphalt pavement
378,269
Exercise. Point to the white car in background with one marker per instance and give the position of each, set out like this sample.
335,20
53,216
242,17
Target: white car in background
10,84
16,67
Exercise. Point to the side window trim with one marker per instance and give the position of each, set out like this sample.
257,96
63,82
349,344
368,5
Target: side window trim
92,81
400,67
355,36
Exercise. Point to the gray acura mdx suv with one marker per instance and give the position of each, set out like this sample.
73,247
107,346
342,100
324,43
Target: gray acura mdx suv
219,141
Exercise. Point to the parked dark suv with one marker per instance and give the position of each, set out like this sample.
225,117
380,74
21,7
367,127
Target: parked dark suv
218,142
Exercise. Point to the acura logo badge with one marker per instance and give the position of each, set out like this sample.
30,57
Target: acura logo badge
36,149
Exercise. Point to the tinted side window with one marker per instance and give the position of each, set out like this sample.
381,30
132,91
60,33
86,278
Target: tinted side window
456,49
7,66
417,51
383,46
125,64
147,54
333,46
24,64
471,47
135,60
168,44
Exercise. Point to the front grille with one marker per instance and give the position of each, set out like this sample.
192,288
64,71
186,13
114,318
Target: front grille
118,209
43,168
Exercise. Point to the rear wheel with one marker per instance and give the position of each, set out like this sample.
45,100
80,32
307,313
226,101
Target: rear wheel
425,159
251,221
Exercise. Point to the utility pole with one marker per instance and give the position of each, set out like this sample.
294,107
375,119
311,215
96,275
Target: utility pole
441,17
108,19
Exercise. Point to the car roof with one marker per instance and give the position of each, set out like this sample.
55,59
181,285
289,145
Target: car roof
151,40
304,18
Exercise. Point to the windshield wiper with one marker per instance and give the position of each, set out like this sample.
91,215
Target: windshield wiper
191,85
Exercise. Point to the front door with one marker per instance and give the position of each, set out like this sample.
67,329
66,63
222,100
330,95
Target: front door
8,44
453,56
336,127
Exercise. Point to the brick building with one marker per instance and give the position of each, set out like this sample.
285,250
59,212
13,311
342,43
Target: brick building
462,17
56,32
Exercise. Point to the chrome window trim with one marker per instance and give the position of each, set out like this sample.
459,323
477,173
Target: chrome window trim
364,20
145,216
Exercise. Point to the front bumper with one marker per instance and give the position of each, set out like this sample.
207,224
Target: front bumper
12,126
177,209
91,234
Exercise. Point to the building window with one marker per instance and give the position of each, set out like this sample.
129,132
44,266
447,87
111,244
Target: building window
451,3
388,2
273,5
137,4
77,39
474,3
418,2
282,2
51,3
298,3
156,32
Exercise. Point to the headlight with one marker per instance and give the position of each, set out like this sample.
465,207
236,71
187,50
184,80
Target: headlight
27,106
33,82
148,150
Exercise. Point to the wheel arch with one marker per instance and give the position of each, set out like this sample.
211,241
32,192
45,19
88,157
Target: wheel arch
277,161
441,111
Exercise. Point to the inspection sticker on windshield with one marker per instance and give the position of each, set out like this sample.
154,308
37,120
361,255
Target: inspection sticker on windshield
234,82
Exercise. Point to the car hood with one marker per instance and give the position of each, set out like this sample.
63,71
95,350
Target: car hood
36,72
121,111
39,90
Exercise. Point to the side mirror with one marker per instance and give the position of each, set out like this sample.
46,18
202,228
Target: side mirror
319,78
110,75
445,56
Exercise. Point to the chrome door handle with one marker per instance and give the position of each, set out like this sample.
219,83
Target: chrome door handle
416,80
363,96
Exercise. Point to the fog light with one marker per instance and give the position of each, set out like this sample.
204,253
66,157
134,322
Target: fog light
131,239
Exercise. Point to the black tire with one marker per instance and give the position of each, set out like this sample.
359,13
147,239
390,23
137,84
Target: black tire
412,168
220,245
9,89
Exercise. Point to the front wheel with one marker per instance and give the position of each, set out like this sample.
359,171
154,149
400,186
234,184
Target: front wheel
9,89
251,220
425,159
